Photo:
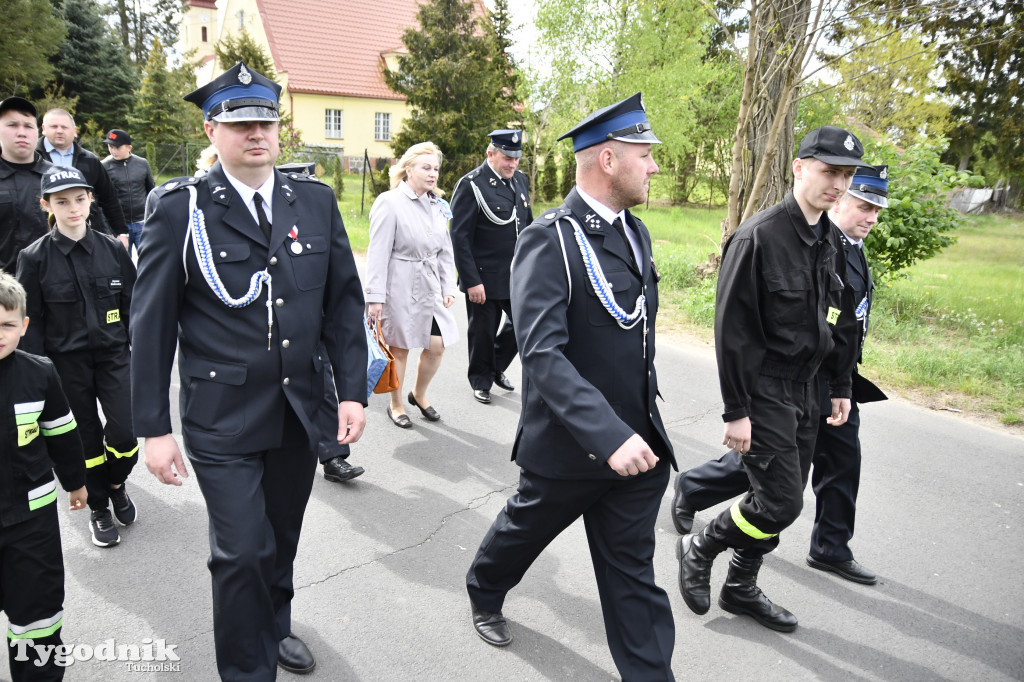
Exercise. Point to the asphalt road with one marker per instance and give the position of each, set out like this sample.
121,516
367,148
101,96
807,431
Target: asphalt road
380,573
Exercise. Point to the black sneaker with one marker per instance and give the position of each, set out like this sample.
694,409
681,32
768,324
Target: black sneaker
104,533
124,509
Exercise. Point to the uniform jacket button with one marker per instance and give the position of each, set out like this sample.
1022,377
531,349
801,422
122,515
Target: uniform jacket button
213,375
223,254
273,260
279,302
286,343
592,456
286,381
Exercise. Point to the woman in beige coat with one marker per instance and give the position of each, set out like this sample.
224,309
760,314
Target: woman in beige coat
410,268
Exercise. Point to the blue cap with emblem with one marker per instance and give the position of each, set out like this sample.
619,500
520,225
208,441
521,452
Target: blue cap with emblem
625,121
508,142
871,184
238,94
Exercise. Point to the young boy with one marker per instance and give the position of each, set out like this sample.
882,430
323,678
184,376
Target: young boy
31,562
79,287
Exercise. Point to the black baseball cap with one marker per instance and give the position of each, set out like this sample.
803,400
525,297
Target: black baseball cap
117,137
60,178
16,103
832,145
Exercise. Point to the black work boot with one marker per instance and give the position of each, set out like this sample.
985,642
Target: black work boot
696,554
742,596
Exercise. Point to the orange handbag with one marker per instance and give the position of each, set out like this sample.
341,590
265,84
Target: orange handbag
389,378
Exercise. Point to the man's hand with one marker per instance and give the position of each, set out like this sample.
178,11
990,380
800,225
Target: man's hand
78,498
351,421
633,457
123,238
476,294
737,435
163,459
840,412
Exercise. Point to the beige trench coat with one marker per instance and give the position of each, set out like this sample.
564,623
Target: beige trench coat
410,267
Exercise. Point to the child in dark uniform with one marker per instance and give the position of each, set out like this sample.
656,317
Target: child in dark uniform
37,435
79,286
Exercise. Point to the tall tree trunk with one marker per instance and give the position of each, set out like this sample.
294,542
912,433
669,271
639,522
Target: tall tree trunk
122,17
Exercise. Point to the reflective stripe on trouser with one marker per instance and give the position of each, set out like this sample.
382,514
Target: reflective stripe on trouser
784,416
44,627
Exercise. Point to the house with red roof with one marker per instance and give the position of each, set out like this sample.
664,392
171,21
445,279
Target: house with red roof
330,56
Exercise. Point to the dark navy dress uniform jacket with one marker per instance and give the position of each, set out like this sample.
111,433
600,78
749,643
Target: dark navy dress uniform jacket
233,390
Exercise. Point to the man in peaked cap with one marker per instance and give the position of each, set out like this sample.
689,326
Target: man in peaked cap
783,314
268,280
490,205
590,440
835,473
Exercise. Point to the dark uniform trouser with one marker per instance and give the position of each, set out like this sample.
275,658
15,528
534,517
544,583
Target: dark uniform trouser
619,517
32,593
111,449
835,478
255,503
327,420
783,417
490,352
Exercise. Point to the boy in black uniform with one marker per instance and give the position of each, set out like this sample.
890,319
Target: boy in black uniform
79,286
782,312
31,563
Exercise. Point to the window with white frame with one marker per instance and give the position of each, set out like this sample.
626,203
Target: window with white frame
334,123
382,127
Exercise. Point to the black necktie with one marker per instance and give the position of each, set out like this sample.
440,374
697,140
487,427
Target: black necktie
261,216
620,228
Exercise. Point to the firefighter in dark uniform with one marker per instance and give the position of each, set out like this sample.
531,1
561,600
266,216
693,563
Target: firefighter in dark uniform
37,437
782,312
79,285
590,440
835,473
247,271
21,169
490,205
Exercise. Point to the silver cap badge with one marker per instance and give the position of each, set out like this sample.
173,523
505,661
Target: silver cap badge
244,77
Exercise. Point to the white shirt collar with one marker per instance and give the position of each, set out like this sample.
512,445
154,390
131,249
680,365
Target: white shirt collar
606,213
247,193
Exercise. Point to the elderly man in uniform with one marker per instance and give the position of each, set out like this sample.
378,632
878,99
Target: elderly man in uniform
248,271
783,313
835,476
59,145
490,205
21,170
590,441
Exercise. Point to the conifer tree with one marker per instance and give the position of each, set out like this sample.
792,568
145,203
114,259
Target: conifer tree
161,115
92,66
547,186
456,81
33,34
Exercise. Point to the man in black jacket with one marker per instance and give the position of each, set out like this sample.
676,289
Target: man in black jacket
58,146
782,313
835,476
133,180
22,221
590,441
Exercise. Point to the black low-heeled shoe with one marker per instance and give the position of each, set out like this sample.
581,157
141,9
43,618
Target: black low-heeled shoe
402,421
428,412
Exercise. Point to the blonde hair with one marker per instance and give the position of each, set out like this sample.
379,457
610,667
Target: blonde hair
207,158
400,170
12,294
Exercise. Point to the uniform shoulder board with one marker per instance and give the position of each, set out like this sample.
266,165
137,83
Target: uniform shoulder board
548,218
178,183
302,177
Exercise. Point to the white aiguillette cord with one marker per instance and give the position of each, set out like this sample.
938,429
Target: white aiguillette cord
201,246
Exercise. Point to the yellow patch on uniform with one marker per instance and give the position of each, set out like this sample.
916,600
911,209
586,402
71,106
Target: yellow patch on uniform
27,433
833,315
115,316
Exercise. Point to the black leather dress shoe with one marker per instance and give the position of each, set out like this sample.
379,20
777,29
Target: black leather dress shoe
338,470
501,381
850,570
402,421
482,396
491,627
293,655
682,512
429,413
